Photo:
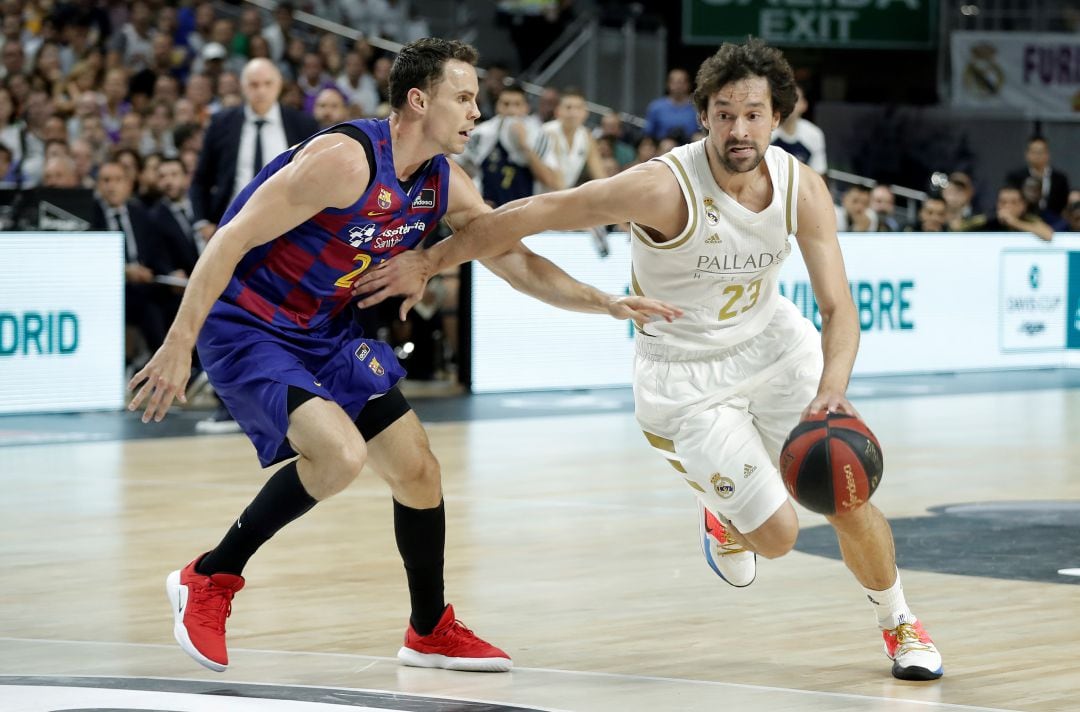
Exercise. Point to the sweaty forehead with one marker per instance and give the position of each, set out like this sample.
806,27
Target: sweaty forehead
743,91
457,77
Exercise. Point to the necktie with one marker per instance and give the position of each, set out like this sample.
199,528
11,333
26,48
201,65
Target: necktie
258,164
122,224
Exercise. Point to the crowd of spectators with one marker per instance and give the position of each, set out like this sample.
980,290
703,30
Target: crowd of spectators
166,110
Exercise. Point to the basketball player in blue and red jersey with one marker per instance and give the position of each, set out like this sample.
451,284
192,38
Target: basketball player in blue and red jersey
268,304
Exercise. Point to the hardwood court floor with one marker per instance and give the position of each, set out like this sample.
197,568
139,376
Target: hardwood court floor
571,546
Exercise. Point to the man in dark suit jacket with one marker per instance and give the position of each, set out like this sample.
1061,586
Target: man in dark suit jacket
1055,184
241,140
174,218
149,307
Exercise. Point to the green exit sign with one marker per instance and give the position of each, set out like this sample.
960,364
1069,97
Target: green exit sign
873,24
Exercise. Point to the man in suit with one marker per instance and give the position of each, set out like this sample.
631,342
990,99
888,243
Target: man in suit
174,219
240,140
1055,184
149,307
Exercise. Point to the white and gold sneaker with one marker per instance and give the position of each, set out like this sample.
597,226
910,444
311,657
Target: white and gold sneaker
914,655
726,557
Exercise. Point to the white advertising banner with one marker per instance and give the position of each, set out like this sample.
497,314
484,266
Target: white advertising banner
520,343
926,303
61,321
1036,74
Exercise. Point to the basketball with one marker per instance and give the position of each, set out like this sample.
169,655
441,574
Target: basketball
831,463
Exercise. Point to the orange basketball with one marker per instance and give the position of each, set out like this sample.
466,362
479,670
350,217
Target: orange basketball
831,463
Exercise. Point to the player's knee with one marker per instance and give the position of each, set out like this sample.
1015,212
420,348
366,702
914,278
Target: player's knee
777,536
344,464
423,474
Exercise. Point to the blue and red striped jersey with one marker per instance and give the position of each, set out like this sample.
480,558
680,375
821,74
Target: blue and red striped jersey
303,278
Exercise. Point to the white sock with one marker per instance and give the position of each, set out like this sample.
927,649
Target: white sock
889,604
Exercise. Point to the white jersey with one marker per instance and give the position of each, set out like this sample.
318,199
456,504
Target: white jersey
722,269
568,158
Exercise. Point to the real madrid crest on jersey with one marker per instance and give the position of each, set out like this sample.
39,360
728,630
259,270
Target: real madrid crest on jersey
384,198
711,213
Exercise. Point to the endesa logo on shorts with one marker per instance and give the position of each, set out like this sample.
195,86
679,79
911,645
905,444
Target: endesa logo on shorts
393,236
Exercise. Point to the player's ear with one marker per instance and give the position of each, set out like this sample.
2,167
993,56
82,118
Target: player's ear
417,99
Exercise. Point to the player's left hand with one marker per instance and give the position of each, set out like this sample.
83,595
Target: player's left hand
404,275
642,309
831,402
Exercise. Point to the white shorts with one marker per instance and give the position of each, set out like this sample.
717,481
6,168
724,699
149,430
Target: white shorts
721,422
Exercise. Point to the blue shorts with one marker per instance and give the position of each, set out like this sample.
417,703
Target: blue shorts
251,365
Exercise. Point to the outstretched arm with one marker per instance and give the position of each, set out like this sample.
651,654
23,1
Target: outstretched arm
825,263
326,173
523,269
647,194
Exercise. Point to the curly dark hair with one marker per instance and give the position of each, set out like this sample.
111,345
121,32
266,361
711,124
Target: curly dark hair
420,65
754,58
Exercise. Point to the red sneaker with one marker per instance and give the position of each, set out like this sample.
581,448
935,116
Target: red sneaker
452,646
200,605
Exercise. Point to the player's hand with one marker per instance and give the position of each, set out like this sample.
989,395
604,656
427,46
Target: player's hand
831,402
163,378
517,130
403,275
642,309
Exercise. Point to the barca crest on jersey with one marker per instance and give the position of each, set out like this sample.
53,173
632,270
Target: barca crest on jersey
384,198
711,213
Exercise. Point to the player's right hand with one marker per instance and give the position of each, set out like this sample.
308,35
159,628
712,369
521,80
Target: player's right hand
163,378
403,275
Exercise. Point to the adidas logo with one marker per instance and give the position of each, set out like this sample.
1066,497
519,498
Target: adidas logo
712,239
748,470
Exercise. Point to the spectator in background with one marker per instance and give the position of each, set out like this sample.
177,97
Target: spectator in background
166,89
8,176
571,150
1072,214
854,213
958,194
883,203
673,115
312,79
133,42
1054,185
380,72
10,130
60,172
505,154
329,49
82,153
801,138
200,92
1012,216
646,150
1031,190
204,24
157,132
611,127
250,26
547,104
330,107
358,86
240,141
495,77
174,219
148,307
279,32
116,105
33,135
12,59
931,216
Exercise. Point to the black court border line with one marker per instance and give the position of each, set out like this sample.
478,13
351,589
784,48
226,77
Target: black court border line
267,691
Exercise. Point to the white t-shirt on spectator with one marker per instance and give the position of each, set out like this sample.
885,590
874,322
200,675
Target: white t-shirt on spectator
365,94
808,144
566,157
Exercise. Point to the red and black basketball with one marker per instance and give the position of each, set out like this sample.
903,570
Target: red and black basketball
831,463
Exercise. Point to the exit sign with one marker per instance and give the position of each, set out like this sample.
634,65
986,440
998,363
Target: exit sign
875,24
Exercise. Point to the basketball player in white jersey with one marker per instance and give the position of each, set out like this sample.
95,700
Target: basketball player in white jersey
717,391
